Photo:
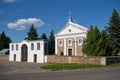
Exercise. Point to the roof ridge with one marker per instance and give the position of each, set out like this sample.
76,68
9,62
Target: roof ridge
76,24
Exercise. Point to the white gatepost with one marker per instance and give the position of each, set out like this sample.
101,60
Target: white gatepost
69,59
103,60
56,46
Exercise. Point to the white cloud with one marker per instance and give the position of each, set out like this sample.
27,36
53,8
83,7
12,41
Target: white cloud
21,24
9,1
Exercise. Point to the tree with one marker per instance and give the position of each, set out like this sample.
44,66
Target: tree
32,34
98,43
107,47
4,41
43,36
90,46
51,43
114,29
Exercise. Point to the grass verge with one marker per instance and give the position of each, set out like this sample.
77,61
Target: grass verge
70,66
114,65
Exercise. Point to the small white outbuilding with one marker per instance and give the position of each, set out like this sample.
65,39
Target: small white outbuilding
29,51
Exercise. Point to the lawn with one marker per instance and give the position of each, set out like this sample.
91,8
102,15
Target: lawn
114,65
70,66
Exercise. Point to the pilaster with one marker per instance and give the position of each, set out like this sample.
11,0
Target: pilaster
65,47
75,47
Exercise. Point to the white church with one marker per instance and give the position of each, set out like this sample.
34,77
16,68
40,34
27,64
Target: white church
68,41
70,38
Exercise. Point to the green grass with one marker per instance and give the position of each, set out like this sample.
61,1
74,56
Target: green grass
114,65
70,66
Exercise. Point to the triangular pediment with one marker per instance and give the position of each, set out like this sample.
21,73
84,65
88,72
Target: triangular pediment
72,28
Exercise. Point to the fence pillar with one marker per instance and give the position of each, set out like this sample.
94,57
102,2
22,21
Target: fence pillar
69,59
103,60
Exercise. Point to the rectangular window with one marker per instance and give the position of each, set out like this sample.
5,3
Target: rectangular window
80,41
60,43
70,42
16,46
12,47
32,46
38,46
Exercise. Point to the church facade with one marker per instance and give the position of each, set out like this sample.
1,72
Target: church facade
29,51
69,40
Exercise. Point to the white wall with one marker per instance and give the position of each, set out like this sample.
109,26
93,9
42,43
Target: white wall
31,53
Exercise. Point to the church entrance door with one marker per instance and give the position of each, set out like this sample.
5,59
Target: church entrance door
69,52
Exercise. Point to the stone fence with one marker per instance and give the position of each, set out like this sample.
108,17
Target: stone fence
73,59
83,60
4,57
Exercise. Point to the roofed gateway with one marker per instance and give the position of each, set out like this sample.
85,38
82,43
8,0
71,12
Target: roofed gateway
29,51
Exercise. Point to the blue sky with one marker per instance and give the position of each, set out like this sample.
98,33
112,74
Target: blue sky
16,16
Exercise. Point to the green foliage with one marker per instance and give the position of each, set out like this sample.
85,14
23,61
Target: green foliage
90,43
70,66
43,36
114,29
32,34
98,43
51,43
106,45
4,41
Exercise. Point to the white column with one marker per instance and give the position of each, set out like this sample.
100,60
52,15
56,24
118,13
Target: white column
65,47
56,46
75,47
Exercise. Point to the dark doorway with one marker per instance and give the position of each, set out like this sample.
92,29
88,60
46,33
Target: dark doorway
14,57
69,52
35,57
24,52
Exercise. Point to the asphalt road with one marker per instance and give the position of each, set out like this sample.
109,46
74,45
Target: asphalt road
32,73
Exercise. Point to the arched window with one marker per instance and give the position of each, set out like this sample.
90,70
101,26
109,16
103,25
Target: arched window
80,41
69,42
38,46
60,43
32,46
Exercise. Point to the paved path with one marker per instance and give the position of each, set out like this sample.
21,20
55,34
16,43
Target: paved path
7,67
16,71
